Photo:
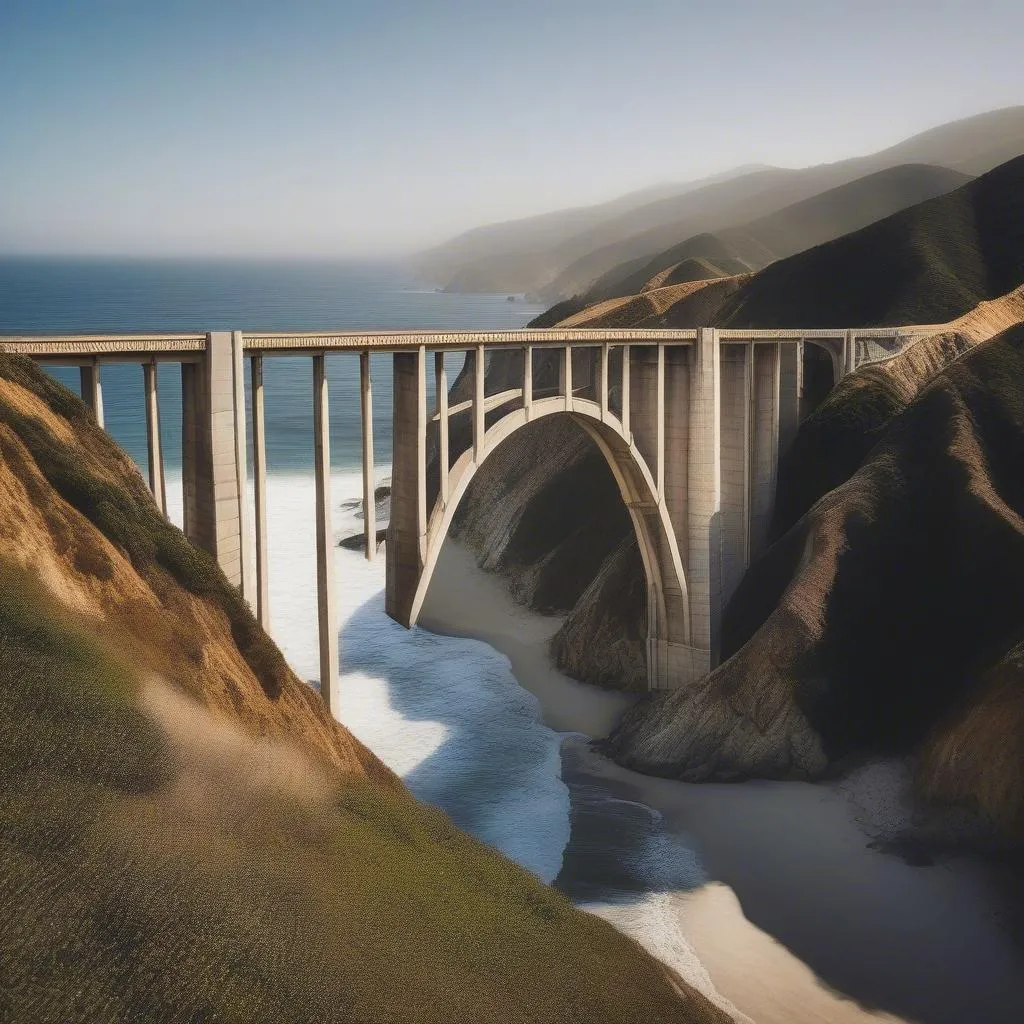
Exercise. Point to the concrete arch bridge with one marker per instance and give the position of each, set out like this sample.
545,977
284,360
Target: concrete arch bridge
691,423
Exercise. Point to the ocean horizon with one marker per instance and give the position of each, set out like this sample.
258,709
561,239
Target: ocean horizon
118,295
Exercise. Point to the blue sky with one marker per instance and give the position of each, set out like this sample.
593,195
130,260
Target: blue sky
245,126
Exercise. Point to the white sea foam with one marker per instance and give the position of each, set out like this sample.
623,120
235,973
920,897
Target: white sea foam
450,718
446,714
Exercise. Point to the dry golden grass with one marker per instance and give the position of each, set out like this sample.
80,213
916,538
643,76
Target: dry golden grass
185,834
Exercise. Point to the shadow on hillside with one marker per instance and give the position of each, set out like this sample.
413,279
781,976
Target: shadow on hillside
871,929
499,772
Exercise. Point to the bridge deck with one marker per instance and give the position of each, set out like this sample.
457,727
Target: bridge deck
187,347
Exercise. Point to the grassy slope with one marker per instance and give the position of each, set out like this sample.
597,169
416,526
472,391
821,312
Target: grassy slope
165,860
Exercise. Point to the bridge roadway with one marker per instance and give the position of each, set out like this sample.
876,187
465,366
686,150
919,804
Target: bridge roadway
691,422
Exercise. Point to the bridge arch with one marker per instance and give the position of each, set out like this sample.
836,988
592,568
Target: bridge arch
668,610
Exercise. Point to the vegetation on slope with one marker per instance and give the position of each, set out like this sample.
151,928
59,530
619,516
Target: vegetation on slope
927,264
564,254
803,225
181,841
872,624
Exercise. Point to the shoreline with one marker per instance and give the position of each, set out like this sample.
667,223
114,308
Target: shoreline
795,919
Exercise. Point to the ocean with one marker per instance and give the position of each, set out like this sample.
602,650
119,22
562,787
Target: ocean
446,713
99,296
407,694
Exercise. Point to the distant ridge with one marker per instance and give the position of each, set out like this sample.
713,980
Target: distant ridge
562,254
805,224
925,264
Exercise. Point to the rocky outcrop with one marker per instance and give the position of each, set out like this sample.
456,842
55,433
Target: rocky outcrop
883,620
186,834
953,254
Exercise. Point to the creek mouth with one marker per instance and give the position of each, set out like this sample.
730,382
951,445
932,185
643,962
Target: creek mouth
771,892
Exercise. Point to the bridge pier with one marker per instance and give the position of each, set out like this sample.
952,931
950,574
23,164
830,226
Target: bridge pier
92,390
157,482
406,541
213,455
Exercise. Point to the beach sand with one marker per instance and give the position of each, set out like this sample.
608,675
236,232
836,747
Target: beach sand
772,885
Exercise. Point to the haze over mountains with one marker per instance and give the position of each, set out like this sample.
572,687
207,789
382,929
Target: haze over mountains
889,604
558,255
924,264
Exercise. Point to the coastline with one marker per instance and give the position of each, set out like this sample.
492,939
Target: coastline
760,902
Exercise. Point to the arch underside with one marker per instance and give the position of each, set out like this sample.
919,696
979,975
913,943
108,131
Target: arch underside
668,612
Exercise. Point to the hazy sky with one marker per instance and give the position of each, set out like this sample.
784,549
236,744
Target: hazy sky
231,126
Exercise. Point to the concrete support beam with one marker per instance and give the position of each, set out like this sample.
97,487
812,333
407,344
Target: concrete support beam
849,352
241,469
703,562
675,384
625,389
441,396
92,389
326,613
528,381
369,501
421,443
479,408
642,399
210,471
659,400
789,394
259,472
567,377
157,481
602,380
764,442
406,541
735,463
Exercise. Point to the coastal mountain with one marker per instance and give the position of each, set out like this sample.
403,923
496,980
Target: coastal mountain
575,249
186,834
785,232
888,618
514,256
924,264
956,256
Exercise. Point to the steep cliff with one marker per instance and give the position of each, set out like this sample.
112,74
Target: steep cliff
946,254
884,620
185,834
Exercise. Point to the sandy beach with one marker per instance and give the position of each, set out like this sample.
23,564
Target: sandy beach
773,886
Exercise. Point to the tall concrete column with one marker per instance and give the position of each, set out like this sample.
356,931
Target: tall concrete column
789,393
479,403
210,474
528,381
675,384
642,400
849,352
735,362
441,401
259,471
764,447
241,468
406,539
369,480
157,484
703,561
327,618
92,390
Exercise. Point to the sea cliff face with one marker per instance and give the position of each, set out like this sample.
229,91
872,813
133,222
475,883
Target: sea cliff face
876,620
886,618
186,834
